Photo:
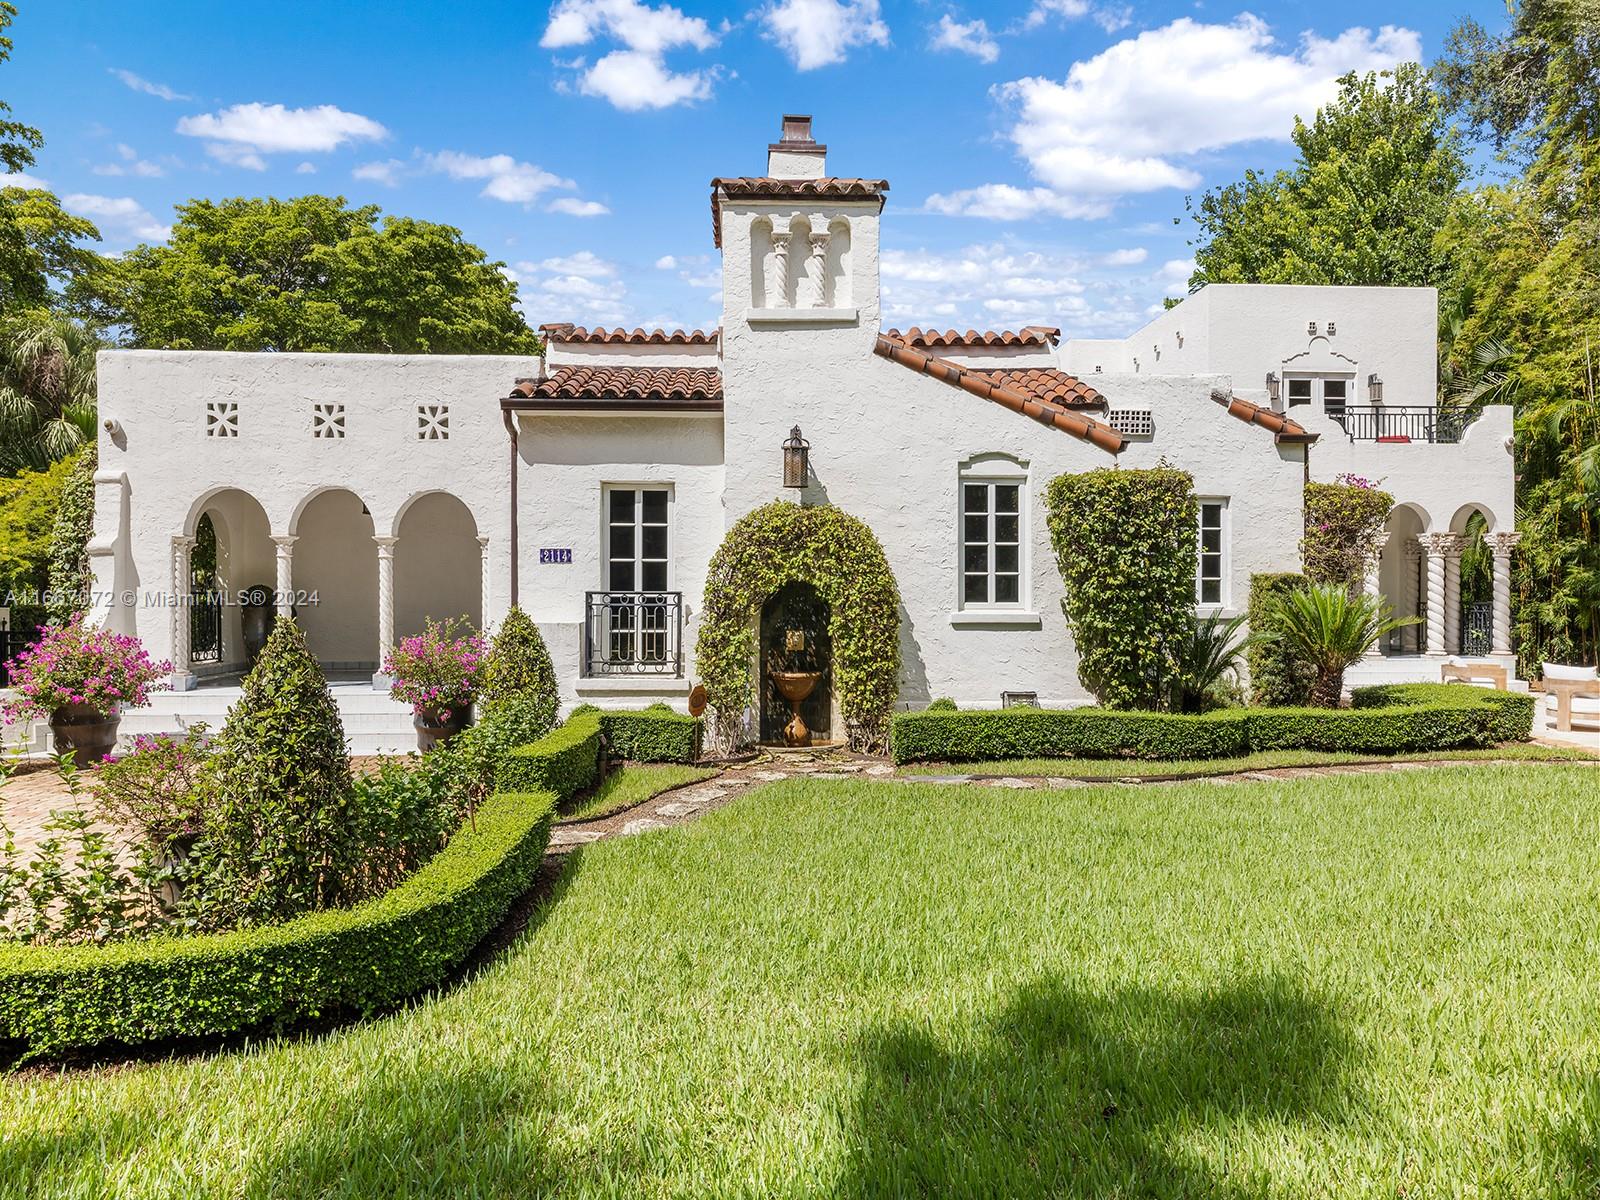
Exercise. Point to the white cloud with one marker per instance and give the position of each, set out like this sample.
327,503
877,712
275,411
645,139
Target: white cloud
571,206
1125,258
306,168
1120,119
1110,18
240,135
1004,202
506,178
816,33
969,38
140,84
131,164
666,263
387,171
585,263
19,179
119,217
634,79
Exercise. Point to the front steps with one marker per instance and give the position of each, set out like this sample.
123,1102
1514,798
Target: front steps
373,722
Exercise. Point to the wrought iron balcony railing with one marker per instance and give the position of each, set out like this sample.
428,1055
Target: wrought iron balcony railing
1399,423
633,633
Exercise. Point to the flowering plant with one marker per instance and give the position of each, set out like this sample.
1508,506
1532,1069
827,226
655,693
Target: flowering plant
437,670
159,786
71,664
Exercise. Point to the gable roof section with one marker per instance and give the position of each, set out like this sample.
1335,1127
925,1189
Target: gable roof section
763,188
667,389
928,339
1050,385
980,383
1284,429
566,331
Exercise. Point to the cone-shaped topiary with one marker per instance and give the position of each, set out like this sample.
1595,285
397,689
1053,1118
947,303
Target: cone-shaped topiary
279,841
519,665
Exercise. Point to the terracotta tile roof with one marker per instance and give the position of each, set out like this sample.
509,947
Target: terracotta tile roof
764,188
602,387
1284,429
1028,335
1049,384
566,331
982,383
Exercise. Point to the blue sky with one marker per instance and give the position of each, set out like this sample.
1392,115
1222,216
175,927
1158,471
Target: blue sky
1037,150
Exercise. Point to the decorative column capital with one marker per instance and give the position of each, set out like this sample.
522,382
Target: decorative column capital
819,242
386,546
285,541
1444,545
1502,544
181,541
1413,548
483,541
780,242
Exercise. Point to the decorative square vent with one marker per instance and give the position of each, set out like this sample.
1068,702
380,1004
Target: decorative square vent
433,422
327,420
1132,422
1019,699
222,418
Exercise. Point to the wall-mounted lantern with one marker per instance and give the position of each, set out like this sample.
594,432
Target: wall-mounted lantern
1274,391
796,460
1374,388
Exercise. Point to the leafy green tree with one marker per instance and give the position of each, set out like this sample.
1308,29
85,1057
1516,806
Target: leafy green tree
1328,629
309,274
28,507
47,390
70,578
519,664
17,141
1370,187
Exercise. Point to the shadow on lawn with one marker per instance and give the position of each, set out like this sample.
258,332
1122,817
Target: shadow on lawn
1069,1093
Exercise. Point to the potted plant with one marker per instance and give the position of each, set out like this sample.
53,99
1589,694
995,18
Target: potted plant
438,672
81,679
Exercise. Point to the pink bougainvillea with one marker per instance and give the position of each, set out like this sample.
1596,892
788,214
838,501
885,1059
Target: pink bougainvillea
72,664
437,670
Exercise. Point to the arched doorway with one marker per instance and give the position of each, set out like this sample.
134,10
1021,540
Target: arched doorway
437,564
794,638
1403,576
232,553
1474,583
336,580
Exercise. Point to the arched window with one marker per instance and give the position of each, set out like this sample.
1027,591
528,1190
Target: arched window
993,526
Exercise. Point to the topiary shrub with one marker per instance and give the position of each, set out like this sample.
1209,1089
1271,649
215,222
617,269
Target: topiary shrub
655,735
70,577
277,841
942,704
784,543
1278,678
519,665
1125,542
1343,522
564,761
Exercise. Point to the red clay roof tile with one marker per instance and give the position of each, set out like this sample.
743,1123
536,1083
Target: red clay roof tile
565,331
1029,335
687,386
746,187
1049,384
1284,429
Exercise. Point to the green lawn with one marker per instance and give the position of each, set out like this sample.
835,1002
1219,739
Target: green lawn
1127,768
632,785
1367,985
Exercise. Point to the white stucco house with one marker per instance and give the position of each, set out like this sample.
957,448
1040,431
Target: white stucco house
593,484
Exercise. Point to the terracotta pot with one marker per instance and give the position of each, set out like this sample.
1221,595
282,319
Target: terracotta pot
87,732
437,728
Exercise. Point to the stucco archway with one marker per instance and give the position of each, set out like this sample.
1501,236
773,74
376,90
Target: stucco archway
245,558
437,564
336,579
783,543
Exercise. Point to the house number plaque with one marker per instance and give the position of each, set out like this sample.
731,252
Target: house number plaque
558,554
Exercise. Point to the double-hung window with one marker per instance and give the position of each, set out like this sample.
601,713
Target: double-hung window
991,543
640,614
1211,574
1332,390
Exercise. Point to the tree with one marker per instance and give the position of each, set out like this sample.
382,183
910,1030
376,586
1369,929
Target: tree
17,141
47,390
1328,629
1371,185
28,505
519,665
309,274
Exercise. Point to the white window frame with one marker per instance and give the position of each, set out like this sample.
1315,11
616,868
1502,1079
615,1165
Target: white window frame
1319,381
990,470
1224,600
638,542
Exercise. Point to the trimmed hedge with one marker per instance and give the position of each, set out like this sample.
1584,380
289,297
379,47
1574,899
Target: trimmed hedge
1387,719
657,734
564,761
362,959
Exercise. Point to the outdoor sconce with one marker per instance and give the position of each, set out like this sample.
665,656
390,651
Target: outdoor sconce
1375,388
1273,388
796,460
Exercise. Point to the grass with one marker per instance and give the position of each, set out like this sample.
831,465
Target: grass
1263,760
1353,986
631,785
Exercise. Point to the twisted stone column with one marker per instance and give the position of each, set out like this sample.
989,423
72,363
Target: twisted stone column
483,563
780,270
1452,593
182,609
1437,545
1372,586
1502,545
816,274
1411,635
285,544
385,605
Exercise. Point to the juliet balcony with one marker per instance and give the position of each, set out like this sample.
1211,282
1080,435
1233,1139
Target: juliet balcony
633,633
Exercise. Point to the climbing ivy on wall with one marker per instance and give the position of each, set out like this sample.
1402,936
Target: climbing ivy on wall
783,543
1126,545
1343,521
70,579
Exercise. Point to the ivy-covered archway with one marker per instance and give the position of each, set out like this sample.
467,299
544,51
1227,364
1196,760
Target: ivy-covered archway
782,543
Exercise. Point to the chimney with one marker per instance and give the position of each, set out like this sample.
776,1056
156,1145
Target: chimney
794,155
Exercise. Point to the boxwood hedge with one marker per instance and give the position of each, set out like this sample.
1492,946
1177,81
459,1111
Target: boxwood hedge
657,734
564,761
1388,719
361,959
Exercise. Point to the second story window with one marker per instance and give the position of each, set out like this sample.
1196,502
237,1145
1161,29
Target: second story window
636,539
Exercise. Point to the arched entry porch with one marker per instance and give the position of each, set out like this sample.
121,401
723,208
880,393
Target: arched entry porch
438,564
223,551
333,586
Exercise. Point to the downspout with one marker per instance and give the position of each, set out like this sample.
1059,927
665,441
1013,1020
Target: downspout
510,418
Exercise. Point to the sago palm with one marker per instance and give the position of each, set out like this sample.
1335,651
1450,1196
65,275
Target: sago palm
1329,629
47,390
